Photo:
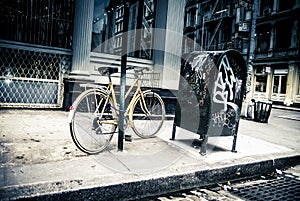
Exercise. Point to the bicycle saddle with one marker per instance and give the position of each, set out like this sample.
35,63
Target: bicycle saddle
107,70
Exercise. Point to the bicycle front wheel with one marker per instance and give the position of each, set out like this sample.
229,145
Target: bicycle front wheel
148,114
93,121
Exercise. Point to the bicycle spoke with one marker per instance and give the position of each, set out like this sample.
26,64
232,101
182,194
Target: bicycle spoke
88,131
148,115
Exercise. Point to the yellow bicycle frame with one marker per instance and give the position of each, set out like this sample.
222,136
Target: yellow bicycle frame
110,92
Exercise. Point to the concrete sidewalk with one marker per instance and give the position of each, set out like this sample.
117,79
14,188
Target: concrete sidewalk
39,160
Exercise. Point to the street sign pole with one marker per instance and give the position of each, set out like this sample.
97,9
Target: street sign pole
123,76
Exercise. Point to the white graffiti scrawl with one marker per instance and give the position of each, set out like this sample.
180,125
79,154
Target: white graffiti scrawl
224,88
229,76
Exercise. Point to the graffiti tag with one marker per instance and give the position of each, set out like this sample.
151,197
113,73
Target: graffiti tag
224,89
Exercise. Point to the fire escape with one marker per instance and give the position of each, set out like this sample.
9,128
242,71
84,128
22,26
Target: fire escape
213,19
146,25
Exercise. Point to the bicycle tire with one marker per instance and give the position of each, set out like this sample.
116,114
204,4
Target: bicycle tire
147,125
88,134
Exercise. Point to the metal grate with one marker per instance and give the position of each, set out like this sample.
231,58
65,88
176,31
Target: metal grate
274,187
281,188
32,77
47,22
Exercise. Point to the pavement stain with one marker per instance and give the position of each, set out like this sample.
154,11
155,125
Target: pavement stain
39,139
35,140
29,151
20,156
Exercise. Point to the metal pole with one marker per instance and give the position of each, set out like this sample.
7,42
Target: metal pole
202,34
252,39
253,29
123,75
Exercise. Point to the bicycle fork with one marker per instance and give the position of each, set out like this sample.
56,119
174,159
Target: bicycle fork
144,106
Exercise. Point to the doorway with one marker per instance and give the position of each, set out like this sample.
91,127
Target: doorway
279,87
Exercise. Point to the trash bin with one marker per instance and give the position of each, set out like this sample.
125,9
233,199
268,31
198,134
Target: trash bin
262,111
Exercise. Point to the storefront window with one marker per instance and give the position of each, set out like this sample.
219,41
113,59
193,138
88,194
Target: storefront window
283,84
99,25
108,27
260,79
276,84
261,83
279,84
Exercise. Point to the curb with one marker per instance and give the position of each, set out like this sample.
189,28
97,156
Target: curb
286,108
145,188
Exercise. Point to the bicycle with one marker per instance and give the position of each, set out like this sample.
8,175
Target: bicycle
94,114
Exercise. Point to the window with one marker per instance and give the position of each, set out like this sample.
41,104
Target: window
191,17
279,80
283,84
109,38
260,79
248,15
279,84
120,12
243,14
261,83
266,7
263,37
238,15
118,41
100,19
285,5
276,84
284,33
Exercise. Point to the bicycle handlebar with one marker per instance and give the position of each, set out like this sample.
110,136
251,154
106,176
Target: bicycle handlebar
137,69
111,70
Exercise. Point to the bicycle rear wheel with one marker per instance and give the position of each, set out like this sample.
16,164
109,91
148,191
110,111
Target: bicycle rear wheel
93,121
148,116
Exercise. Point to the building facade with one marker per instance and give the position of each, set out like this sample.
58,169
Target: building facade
219,25
49,50
276,74
266,32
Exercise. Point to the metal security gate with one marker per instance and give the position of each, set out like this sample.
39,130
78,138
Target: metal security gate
32,76
35,51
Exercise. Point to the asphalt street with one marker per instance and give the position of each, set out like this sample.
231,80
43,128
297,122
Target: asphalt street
287,121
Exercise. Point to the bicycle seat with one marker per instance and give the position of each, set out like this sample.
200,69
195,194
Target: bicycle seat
108,70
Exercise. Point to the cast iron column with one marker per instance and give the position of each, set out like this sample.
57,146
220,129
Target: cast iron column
82,37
